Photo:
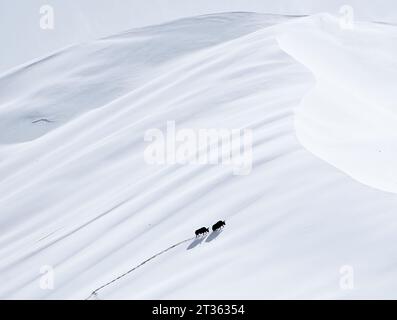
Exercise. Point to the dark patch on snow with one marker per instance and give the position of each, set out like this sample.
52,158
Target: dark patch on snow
195,243
213,235
42,120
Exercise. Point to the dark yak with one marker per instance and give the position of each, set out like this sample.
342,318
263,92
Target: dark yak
220,224
201,231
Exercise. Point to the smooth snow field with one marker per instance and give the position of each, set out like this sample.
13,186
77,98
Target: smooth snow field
77,196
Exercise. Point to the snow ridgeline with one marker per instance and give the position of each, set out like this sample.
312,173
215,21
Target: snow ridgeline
349,117
77,195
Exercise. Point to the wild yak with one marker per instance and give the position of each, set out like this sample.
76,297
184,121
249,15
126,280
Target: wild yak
201,231
220,224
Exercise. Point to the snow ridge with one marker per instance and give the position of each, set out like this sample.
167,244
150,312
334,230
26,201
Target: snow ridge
77,195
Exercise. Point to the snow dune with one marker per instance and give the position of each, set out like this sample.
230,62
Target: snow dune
349,118
77,195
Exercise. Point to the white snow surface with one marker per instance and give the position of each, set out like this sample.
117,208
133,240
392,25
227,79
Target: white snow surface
77,195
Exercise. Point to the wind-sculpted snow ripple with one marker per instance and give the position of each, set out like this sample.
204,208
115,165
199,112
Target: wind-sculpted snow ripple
79,197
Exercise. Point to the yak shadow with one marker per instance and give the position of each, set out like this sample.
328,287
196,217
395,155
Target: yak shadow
213,235
195,242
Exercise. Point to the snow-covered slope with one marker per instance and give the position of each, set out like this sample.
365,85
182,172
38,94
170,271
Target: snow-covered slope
84,20
350,117
77,195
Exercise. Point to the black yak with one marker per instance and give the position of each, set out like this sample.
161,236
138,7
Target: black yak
201,231
220,224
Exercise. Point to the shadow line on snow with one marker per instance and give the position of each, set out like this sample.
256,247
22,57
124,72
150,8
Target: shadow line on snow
195,243
213,235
